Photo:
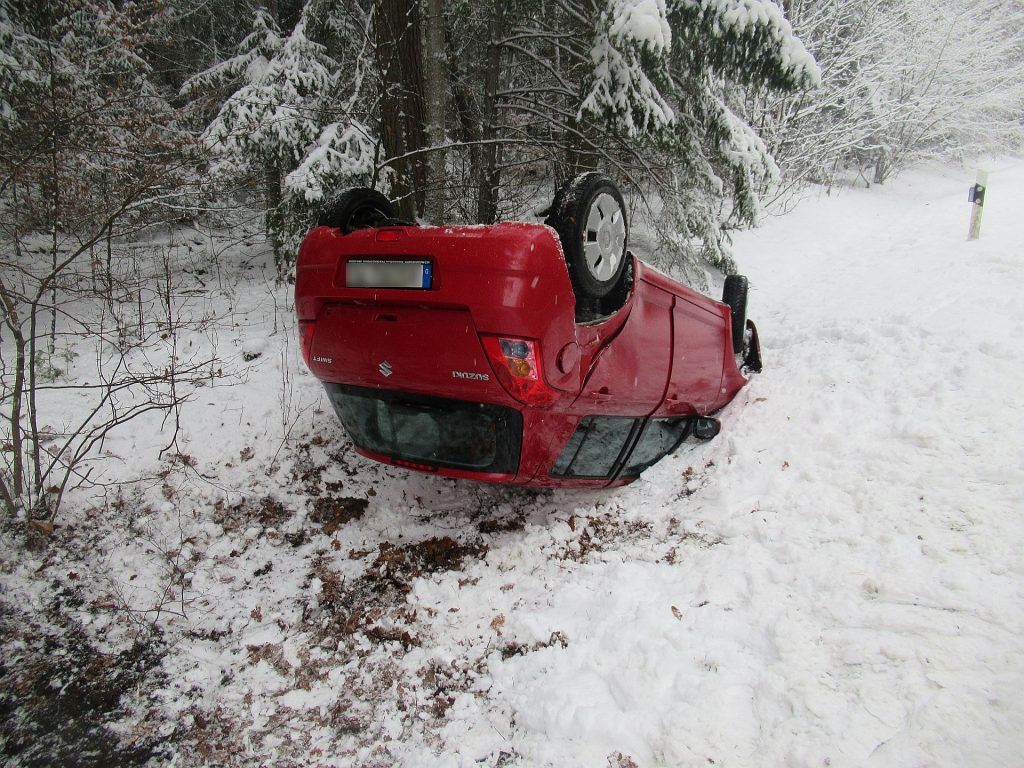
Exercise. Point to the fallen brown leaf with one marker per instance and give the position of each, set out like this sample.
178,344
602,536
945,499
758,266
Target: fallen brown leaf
44,527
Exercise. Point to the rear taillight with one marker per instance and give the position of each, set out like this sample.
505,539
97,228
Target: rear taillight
306,329
516,363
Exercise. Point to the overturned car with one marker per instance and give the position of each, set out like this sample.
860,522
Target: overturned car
533,354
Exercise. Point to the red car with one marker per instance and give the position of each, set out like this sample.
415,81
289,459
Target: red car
514,353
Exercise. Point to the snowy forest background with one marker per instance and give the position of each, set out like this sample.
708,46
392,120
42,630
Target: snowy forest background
160,161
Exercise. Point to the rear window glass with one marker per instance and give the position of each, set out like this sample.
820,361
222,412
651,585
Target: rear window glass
595,446
444,433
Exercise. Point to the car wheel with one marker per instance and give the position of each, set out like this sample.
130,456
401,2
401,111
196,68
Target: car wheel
590,218
357,208
735,295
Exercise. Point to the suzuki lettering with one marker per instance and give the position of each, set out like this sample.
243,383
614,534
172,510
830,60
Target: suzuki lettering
470,376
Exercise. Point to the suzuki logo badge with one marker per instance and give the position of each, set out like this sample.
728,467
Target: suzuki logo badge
385,368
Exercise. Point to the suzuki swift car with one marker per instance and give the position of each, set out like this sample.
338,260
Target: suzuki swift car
533,354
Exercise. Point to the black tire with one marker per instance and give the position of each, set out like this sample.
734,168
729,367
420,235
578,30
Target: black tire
357,208
735,295
590,217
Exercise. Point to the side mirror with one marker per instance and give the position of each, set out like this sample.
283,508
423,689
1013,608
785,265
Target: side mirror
705,428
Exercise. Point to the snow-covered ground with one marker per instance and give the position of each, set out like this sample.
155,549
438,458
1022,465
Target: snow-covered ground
837,579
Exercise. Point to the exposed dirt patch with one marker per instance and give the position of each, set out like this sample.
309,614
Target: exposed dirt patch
309,464
374,604
333,512
58,691
595,534
520,649
502,525
266,511
398,565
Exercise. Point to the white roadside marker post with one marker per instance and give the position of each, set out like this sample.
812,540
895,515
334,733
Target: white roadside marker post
976,196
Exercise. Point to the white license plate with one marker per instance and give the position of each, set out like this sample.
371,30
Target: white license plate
388,274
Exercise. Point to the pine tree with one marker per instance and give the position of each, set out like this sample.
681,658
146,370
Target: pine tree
19,68
662,77
277,125
538,91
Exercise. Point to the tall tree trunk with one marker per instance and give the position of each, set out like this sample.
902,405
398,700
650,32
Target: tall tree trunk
881,166
55,200
467,125
398,47
490,175
581,153
272,175
13,322
436,85
272,191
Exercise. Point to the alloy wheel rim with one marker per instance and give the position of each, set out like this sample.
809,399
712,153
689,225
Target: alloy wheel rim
604,237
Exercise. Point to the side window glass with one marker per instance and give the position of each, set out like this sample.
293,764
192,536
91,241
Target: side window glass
595,447
660,437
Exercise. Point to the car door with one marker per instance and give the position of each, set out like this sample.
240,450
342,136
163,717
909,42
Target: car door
629,373
699,337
